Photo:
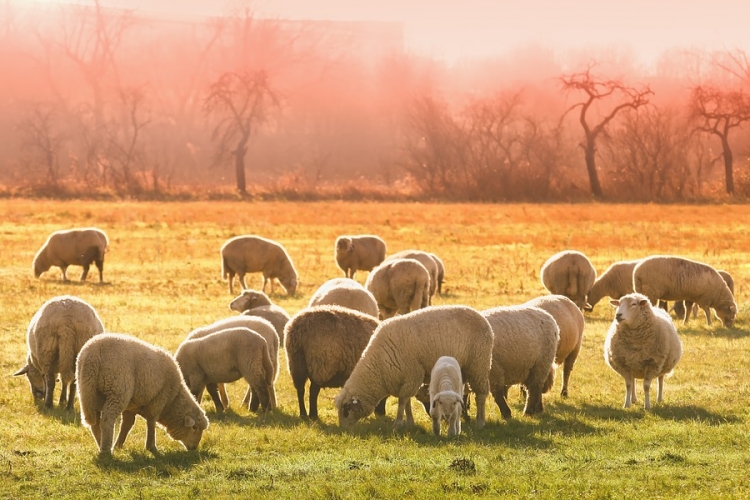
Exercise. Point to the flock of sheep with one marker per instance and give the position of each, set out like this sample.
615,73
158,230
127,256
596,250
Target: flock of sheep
373,341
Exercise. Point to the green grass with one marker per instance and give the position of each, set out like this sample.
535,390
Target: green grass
163,279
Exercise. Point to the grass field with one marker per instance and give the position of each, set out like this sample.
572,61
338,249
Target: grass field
162,276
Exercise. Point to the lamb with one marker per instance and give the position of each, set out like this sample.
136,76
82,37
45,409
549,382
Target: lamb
359,253
119,374
642,342
224,357
615,282
402,352
77,247
440,272
323,344
679,306
424,258
255,303
446,395
569,273
55,336
259,325
252,254
399,286
345,292
525,343
569,319
669,277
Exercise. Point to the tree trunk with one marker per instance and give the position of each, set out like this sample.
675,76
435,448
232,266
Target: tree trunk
596,188
728,164
239,167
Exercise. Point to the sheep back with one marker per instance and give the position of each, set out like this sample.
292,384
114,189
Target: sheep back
253,254
80,247
358,253
345,292
569,273
424,258
399,286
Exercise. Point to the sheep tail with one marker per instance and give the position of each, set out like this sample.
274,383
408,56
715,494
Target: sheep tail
550,382
572,282
416,298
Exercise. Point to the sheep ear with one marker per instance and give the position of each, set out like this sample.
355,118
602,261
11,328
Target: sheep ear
615,303
643,302
189,422
22,371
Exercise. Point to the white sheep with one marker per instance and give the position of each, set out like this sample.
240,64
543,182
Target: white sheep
256,303
615,282
669,277
358,253
424,258
122,375
402,352
569,319
76,247
253,254
682,308
642,342
323,344
446,395
226,356
55,336
345,292
569,273
399,286
523,352
259,325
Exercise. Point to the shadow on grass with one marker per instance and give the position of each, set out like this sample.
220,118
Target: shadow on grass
244,417
161,465
678,413
697,329
59,413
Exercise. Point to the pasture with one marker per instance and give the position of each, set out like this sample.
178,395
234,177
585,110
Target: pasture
162,274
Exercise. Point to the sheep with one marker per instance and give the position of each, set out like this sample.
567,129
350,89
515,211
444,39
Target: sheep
679,306
446,395
259,325
642,342
569,273
77,247
345,292
402,352
424,258
569,319
255,303
55,336
399,286
226,356
615,282
122,375
440,272
359,253
669,277
323,344
252,254
523,352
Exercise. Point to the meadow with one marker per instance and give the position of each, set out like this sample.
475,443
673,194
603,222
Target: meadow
162,274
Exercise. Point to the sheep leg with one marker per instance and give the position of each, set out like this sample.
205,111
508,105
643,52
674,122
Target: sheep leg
100,266
241,278
93,420
128,419
380,407
454,425
109,415
404,406
660,389
85,272
265,280
223,395
213,391
253,402
151,436
646,389
629,389
533,401
707,310
71,395
248,396
230,279
314,391
436,424
49,388
63,394
481,405
64,270
500,394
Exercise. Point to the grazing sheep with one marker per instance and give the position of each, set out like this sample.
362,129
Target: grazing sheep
253,254
679,306
399,286
358,253
446,395
525,343
345,292
642,342
615,282
569,319
259,325
122,375
440,273
55,336
669,277
72,247
323,344
569,273
402,352
424,258
255,303
226,356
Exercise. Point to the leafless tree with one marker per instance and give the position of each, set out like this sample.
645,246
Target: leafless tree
43,138
598,91
124,138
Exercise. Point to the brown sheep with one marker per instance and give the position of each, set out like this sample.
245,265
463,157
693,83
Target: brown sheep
72,247
253,254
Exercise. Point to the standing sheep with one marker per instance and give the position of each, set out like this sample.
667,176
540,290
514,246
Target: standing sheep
226,356
72,247
402,352
446,395
440,272
345,292
55,336
255,303
569,273
399,286
525,343
569,319
680,308
323,344
642,342
424,258
253,254
669,277
615,282
358,253
121,375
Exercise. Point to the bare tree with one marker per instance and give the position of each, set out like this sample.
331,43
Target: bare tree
124,139
596,92
43,139
717,112
242,100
